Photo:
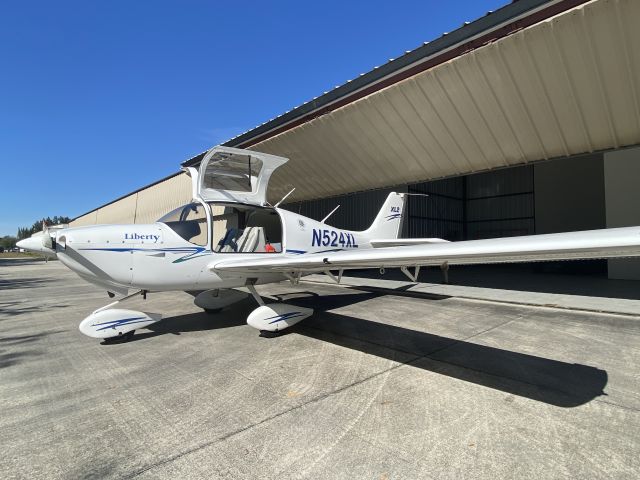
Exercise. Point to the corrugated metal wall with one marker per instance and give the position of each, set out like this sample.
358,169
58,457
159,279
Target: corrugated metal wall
500,203
492,204
440,214
145,206
170,194
121,211
86,219
357,210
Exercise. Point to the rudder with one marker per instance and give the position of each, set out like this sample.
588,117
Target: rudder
389,219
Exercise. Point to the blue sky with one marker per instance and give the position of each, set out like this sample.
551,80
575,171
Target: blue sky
100,98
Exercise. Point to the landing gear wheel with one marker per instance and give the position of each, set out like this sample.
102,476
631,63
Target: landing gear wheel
125,337
212,311
269,334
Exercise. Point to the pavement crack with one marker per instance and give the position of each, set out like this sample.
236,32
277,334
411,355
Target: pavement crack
617,405
238,431
466,339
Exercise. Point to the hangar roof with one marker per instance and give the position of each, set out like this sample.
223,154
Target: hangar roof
532,81
493,25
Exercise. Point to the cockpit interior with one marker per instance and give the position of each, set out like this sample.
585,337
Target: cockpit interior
235,228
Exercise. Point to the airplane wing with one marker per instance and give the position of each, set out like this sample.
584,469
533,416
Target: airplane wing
403,242
606,243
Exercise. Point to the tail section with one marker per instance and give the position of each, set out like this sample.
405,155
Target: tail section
389,219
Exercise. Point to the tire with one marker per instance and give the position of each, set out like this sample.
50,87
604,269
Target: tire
212,311
125,337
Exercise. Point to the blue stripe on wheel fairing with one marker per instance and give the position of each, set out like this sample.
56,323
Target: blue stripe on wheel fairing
118,323
284,316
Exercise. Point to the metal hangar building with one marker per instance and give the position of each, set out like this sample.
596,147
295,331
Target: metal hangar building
525,121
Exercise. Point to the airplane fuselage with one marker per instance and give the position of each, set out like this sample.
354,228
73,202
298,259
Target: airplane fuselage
154,257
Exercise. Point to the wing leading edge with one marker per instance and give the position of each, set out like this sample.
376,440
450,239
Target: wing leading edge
591,244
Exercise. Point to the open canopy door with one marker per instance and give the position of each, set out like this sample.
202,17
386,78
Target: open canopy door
233,175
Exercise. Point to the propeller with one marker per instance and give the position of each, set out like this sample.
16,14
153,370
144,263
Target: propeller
47,239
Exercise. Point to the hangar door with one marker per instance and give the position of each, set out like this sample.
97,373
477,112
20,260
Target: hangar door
500,203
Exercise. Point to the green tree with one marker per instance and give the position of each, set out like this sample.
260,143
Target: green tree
8,242
25,232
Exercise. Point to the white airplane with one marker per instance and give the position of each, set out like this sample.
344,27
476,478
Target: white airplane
230,237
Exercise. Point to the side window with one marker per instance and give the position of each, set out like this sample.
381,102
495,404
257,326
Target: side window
190,222
197,220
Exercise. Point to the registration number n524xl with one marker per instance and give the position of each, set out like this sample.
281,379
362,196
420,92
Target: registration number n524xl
332,238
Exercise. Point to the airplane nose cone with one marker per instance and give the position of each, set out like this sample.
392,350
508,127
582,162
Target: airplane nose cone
33,244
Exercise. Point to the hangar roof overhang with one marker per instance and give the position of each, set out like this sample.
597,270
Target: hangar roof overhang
532,81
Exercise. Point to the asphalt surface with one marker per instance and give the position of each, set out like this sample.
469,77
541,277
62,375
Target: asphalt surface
378,386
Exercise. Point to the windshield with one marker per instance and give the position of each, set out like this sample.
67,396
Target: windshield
188,221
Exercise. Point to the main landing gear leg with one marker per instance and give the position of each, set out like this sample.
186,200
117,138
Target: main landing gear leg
255,294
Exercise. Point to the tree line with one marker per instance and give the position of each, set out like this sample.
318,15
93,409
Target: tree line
25,232
9,241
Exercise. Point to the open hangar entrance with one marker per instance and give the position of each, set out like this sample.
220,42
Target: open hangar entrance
584,192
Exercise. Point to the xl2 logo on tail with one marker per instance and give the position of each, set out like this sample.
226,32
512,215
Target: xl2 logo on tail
395,213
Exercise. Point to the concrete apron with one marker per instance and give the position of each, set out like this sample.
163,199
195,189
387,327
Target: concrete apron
617,306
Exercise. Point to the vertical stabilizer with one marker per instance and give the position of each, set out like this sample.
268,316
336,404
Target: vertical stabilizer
389,219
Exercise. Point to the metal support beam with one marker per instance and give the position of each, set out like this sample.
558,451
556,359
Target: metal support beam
445,271
411,276
337,279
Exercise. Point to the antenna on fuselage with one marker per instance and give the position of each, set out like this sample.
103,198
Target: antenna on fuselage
330,213
283,198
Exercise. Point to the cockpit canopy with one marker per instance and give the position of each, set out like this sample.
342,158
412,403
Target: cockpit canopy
234,175
235,228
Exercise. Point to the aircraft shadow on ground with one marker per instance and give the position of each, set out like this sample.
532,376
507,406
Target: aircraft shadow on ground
22,283
5,261
11,309
545,380
519,278
18,348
